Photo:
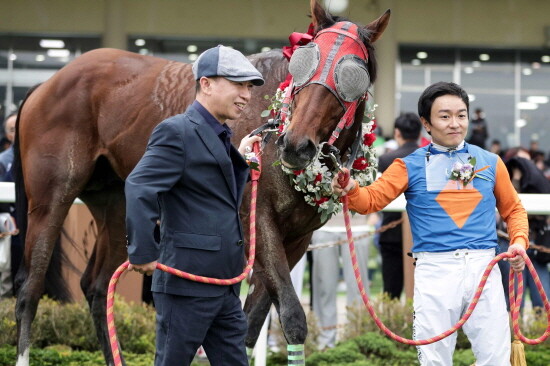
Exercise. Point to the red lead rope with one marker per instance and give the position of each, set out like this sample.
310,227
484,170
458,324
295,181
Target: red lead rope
113,339
515,301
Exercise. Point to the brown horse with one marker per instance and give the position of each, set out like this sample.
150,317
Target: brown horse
80,134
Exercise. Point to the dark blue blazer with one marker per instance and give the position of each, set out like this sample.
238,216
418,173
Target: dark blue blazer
188,181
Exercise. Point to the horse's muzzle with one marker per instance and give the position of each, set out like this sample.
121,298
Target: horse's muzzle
296,155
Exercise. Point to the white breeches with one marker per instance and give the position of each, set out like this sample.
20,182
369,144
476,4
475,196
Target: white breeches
445,284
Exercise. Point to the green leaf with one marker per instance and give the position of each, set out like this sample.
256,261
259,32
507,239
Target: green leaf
265,113
324,216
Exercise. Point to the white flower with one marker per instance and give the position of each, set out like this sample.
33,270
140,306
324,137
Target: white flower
465,175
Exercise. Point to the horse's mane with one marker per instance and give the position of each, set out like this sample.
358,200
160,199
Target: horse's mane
365,35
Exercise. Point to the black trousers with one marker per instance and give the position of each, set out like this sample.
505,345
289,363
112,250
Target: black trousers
392,268
184,323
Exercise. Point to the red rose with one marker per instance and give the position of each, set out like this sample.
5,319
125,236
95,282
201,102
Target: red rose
360,164
285,83
298,172
318,178
281,127
369,138
320,200
373,128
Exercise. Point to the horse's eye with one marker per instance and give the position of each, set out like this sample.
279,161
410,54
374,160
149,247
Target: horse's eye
303,63
351,78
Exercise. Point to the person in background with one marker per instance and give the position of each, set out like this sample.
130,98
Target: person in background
192,179
539,159
11,252
328,263
6,156
527,178
496,148
516,151
452,189
534,150
407,130
479,129
4,143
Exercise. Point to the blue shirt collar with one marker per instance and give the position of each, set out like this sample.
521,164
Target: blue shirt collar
218,128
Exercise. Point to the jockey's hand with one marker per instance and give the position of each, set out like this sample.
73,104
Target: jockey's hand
340,191
146,268
247,143
517,263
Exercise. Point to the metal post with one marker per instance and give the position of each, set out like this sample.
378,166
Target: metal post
261,345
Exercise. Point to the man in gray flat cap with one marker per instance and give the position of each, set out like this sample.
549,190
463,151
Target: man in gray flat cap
192,179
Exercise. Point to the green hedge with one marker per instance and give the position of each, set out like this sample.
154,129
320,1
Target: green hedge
64,335
59,356
71,325
375,349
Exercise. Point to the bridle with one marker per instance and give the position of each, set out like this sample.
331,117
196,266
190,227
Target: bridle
335,58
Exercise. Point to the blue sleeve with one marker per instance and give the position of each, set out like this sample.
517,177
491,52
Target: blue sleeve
157,172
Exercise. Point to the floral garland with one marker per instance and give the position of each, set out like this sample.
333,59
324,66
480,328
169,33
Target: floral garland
315,180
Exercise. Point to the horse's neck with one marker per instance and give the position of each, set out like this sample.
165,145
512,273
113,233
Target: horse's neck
174,88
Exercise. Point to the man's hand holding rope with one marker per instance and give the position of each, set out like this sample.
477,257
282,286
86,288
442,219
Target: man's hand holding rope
517,263
146,268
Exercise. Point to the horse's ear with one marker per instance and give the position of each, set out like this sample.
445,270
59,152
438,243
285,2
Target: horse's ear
319,15
377,27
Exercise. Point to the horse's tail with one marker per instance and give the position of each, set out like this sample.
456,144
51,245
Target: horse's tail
55,285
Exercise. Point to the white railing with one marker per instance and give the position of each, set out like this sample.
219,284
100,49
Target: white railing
536,204
7,193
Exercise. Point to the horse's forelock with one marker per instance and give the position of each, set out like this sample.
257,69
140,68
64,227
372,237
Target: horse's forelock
365,35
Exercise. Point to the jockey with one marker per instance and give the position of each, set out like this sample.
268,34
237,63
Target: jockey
452,189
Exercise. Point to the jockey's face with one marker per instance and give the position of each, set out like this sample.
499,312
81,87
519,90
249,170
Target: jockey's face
449,121
227,99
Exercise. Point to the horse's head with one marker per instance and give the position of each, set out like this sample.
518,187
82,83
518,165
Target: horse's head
331,76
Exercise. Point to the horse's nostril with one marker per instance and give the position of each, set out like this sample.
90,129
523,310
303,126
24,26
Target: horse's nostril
310,148
306,150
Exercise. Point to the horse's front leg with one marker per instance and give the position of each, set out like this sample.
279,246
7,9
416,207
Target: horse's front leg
291,313
273,270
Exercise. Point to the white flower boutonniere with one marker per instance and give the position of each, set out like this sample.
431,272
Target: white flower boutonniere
464,172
